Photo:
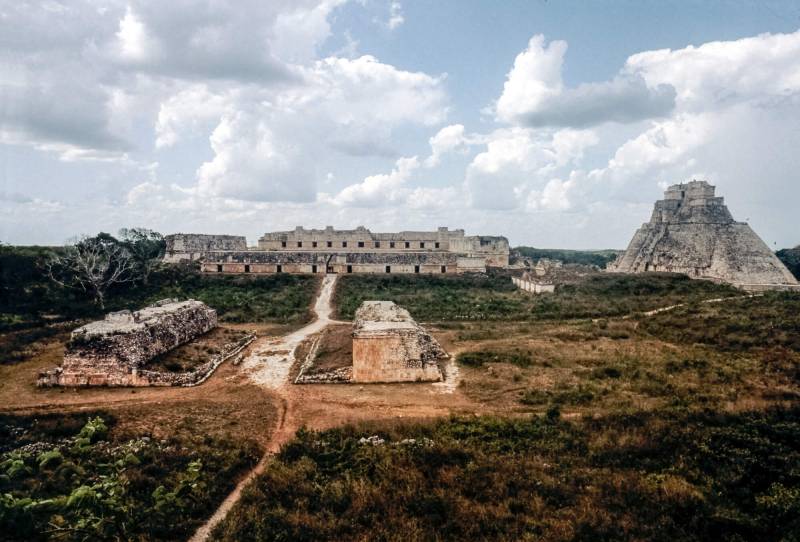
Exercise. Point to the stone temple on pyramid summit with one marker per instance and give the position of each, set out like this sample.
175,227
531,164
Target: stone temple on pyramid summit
691,231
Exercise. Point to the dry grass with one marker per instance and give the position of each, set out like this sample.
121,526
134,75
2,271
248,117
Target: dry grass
335,348
609,366
196,352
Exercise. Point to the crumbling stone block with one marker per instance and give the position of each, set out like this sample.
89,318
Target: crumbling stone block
389,346
691,231
113,351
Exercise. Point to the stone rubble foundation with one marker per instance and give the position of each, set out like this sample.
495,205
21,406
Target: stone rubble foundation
114,351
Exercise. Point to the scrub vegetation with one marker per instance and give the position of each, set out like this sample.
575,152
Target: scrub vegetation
494,297
600,258
28,298
64,477
669,475
576,416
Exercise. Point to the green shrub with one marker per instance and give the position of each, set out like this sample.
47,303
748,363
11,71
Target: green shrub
494,296
600,258
478,358
658,476
137,489
770,321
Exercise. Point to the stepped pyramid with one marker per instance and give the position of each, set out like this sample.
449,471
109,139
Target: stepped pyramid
692,232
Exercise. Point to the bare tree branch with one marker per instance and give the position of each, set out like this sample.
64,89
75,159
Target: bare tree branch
92,265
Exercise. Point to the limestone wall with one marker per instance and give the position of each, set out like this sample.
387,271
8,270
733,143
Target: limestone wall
192,246
389,346
332,262
342,251
113,351
493,250
533,287
359,239
692,231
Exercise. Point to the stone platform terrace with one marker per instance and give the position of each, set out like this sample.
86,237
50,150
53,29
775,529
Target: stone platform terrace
389,346
115,350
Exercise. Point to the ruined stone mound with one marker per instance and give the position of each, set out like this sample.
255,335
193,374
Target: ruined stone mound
389,346
111,352
691,231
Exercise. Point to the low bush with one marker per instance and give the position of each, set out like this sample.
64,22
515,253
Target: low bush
28,298
60,480
494,296
657,476
769,321
600,258
477,358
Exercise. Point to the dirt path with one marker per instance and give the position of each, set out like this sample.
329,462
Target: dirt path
268,365
673,307
271,358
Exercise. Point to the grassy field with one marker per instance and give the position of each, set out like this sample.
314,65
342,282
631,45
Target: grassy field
577,417
733,355
65,477
660,476
494,297
682,425
768,322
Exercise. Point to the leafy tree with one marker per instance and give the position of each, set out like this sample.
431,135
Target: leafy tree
146,247
791,259
92,265
600,258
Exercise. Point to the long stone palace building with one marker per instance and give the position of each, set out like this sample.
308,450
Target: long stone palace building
342,251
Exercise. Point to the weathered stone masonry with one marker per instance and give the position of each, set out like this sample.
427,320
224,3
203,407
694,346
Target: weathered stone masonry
691,231
345,251
389,346
113,351
191,246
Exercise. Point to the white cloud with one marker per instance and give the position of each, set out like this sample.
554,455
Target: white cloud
250,125
185,111
534,94
380,189
423,197
212,40
722,73
263,143
448,139
554,197
534,78
300,32
251,163
517,160
134,43
395,15
666,143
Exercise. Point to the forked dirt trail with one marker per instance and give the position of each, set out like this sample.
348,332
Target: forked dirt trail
322,406
268,365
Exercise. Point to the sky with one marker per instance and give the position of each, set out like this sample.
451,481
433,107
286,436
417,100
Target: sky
554,123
